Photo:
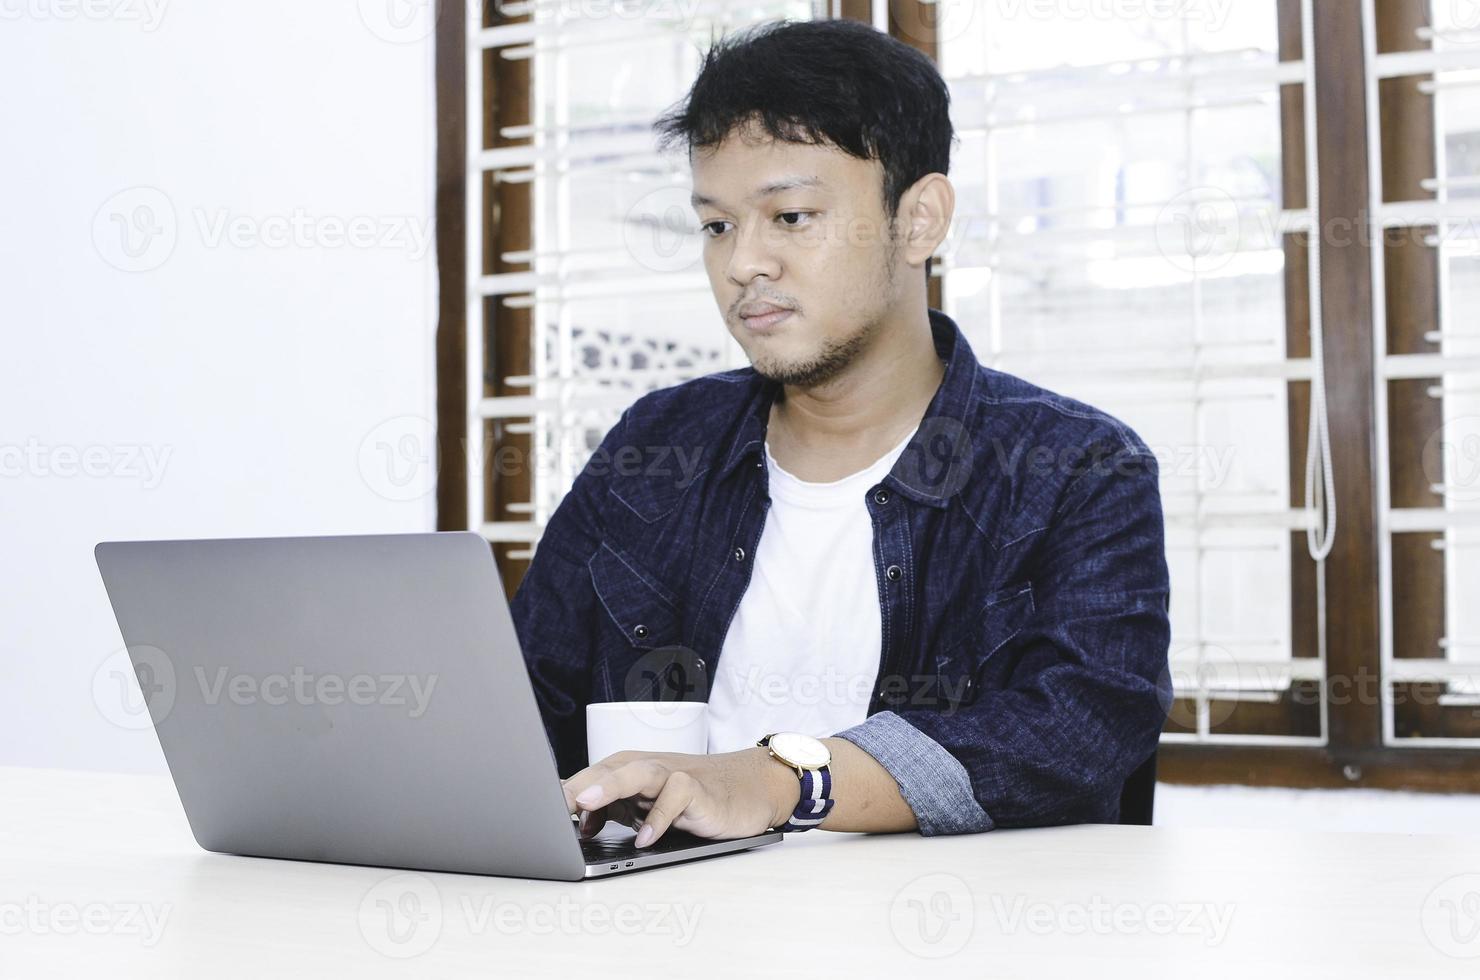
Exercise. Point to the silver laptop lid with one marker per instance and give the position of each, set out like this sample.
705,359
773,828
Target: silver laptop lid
316,697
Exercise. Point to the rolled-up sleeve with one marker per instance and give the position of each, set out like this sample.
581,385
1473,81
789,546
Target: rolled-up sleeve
931,780
1089,690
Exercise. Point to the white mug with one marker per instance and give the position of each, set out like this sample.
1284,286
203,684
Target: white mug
646,726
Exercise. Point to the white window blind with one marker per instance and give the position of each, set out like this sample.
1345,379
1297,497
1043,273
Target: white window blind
616,284
1119,237
1447,63
1120,240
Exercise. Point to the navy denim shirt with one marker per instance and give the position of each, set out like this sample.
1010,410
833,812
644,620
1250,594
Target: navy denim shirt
1022,582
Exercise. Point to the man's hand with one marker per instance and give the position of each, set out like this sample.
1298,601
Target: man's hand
725,795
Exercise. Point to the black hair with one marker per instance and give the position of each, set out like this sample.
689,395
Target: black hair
836,82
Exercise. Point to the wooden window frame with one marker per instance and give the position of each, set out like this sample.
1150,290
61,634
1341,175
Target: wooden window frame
1355,754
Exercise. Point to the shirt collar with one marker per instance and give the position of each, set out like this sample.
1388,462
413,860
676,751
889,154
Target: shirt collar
935,464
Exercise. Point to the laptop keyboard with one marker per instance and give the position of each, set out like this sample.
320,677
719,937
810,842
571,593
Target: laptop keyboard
599,849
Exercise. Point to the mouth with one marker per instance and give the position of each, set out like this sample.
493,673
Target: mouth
764,317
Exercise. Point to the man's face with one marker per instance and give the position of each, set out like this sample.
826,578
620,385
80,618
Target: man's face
802,228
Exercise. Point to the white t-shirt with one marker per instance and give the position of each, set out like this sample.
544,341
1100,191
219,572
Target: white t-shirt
802,652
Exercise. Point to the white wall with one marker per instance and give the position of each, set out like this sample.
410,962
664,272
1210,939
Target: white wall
271,316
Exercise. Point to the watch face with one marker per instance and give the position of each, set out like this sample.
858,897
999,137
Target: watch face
801,750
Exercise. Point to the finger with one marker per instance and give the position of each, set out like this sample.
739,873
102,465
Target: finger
592,775
592,821
678,792
579,783
623,812
642,777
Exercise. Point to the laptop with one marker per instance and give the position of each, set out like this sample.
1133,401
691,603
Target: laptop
357,700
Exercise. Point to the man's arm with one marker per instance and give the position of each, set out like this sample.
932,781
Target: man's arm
1086,705
867,799
1089,694
865,796
730,794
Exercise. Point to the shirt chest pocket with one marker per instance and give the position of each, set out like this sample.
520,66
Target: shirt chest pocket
642,619
962,659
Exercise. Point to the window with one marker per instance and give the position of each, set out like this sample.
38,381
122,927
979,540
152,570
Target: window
608,297
1137,191
1121,237
1425,75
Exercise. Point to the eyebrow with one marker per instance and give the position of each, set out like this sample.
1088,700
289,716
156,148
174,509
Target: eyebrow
775,187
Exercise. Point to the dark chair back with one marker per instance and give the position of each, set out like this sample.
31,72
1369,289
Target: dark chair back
1138,795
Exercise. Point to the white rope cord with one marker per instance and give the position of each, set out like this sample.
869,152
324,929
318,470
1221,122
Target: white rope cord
1321,498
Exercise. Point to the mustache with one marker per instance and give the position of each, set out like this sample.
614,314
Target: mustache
744,301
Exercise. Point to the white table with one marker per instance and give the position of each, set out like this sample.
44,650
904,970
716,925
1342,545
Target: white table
99,876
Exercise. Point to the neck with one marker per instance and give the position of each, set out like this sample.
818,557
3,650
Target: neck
829,431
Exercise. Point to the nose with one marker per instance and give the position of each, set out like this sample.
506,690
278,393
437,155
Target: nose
753,255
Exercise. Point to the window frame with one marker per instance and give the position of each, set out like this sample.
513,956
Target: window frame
493,220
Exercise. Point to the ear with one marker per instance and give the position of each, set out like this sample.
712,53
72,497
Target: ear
926,209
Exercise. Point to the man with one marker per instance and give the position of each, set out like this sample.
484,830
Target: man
968,568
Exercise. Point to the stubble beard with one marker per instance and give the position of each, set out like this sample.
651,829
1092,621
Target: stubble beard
835,356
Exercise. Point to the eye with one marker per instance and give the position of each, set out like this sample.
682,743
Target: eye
709,228
799,215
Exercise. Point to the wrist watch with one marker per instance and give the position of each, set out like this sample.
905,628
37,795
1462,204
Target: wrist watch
810,760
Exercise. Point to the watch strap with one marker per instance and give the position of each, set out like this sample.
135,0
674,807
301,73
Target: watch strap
816,802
